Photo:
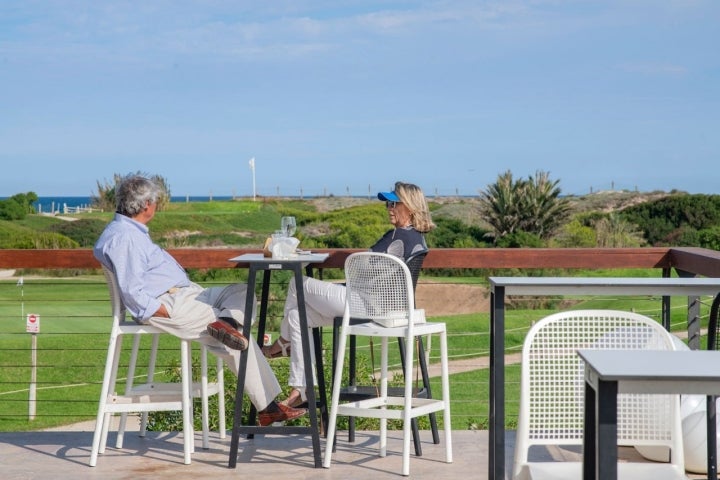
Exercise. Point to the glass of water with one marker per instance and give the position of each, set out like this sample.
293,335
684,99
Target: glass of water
288,226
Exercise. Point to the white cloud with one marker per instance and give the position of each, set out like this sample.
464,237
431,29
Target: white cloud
91,29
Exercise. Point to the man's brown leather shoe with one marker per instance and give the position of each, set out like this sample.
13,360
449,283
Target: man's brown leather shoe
227,335
283,413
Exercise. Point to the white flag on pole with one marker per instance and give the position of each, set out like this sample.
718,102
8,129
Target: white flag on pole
20,282
252,169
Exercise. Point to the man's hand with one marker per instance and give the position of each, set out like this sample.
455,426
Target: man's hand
161,312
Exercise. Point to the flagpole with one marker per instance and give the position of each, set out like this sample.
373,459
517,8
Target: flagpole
252,167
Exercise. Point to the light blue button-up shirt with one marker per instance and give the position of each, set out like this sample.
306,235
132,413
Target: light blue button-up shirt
144,270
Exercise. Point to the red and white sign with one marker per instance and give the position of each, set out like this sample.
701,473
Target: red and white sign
33,323
267,339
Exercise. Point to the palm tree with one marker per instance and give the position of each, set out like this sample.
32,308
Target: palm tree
531,205
499,205
544,211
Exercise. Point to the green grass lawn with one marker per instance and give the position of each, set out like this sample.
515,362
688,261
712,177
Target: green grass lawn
75,322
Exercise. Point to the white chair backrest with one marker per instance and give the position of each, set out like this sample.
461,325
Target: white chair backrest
118,307
119,312
379,286
552,380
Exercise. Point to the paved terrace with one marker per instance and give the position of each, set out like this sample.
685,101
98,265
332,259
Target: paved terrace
64,453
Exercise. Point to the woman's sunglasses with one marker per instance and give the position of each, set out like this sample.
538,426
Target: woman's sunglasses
389,204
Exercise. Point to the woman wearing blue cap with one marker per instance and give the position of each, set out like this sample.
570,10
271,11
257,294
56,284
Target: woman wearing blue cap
409,215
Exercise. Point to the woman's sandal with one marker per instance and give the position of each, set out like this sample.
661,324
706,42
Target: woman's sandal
283,352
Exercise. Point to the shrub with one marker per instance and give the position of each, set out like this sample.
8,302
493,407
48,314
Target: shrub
84,231
11,210
660,218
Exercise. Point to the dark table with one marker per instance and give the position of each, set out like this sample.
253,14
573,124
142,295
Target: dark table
257,262
609,372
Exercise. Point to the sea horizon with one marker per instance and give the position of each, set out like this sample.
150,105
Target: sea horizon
59,204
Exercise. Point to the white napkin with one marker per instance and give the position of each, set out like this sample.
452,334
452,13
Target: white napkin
283,247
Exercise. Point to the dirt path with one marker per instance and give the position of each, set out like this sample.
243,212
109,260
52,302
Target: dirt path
472,364
451,299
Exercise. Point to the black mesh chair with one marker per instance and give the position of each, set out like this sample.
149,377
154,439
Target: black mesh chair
354,392
712,344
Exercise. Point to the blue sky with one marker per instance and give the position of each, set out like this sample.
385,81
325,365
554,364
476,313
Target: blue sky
337,97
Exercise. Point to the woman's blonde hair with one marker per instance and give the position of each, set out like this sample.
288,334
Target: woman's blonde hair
414,199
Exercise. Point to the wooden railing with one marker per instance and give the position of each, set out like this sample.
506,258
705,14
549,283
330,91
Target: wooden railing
688,261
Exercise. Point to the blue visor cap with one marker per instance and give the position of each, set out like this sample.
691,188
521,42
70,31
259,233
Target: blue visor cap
388,197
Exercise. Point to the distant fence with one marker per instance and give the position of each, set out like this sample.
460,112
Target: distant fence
81,209
64,209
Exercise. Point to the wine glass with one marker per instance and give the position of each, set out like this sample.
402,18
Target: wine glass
288,226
